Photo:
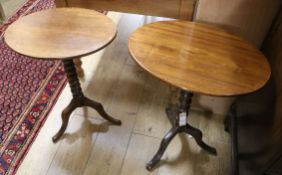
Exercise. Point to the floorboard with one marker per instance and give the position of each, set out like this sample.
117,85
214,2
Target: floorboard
92,146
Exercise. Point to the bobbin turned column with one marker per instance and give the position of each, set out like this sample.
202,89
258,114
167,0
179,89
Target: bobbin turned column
78,100
71,34
180,124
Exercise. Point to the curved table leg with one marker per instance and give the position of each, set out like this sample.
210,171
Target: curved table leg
100,109
179,122
165,141
65,119
78,100
198,136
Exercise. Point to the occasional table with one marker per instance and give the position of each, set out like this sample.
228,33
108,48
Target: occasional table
64,34
197,58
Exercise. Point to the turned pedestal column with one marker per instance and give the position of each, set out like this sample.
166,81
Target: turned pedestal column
197,58
64,34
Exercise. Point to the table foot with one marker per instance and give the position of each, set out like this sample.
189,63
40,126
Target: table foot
188,129
176,118
79,102
165,141
198,136
65,119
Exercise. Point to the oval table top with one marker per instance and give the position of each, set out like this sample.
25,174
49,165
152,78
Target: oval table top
199,58
60,33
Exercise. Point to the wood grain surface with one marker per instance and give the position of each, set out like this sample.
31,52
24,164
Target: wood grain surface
60,33
165,8
136,98
199,57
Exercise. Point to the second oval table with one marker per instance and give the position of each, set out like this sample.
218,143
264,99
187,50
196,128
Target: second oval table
197,58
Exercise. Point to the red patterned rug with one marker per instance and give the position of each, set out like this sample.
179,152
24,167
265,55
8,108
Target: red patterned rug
28,90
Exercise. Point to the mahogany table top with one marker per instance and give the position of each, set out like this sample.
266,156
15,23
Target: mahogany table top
61,33
199,58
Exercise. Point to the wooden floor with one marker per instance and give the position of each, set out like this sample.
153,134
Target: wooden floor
92,146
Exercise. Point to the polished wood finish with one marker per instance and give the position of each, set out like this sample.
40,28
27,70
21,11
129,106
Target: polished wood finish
199,58
182,9
61,33
64,33
247,18
94,147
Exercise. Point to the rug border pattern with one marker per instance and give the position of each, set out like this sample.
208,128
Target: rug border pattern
47,95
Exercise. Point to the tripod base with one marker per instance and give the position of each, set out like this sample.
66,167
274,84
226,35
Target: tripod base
75,103
179,128
79,100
